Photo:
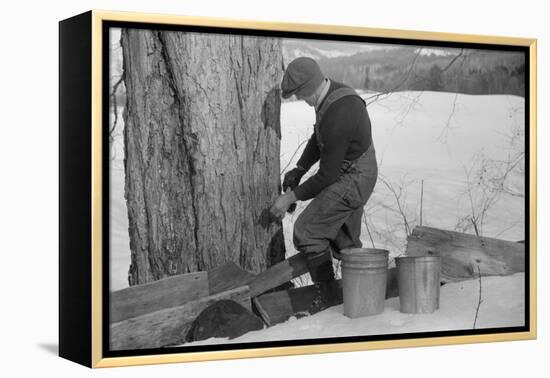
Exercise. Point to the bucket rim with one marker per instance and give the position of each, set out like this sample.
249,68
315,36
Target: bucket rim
364,251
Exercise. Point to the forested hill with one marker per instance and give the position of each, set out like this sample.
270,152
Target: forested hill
413,68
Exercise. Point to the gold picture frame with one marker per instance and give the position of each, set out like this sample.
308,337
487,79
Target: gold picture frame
82,242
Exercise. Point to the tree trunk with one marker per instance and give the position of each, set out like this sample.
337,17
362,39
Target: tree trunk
202,134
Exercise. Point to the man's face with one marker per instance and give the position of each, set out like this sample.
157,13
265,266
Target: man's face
310,100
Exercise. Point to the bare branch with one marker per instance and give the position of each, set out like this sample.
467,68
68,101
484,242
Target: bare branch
445,132
368,230
293,155
373,98
461,53
421,78
421,199
479,301
397,197
409,108
481,195
475,226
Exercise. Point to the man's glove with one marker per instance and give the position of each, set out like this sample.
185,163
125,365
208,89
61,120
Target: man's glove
292,178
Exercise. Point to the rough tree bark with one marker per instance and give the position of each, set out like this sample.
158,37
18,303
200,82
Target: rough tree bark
202,134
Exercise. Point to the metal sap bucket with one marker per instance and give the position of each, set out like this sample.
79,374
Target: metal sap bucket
418,278
364,272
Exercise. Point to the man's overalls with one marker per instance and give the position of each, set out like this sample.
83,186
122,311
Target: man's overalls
333,217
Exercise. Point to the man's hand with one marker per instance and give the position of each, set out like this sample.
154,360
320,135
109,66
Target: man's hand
282,204
292,178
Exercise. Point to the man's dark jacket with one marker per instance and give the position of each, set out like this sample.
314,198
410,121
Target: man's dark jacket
345,131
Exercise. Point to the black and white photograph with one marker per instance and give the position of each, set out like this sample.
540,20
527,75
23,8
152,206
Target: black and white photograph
292,189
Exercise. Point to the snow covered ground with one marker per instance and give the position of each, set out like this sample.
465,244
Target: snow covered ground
502,306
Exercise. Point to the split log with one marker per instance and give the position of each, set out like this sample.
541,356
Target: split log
278,274
228,276
165,293
169,326
462,254
279,306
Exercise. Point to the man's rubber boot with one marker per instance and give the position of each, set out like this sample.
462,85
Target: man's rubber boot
322,274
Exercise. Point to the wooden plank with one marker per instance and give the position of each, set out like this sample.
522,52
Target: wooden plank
228,276
169,326
165,293
279,306
278,274
461,254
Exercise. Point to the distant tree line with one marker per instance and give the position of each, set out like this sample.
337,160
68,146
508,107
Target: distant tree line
470,71
473,72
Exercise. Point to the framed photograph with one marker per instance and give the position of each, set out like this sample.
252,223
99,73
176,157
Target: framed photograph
233,189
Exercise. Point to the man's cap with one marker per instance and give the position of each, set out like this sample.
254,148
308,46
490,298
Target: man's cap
302,76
